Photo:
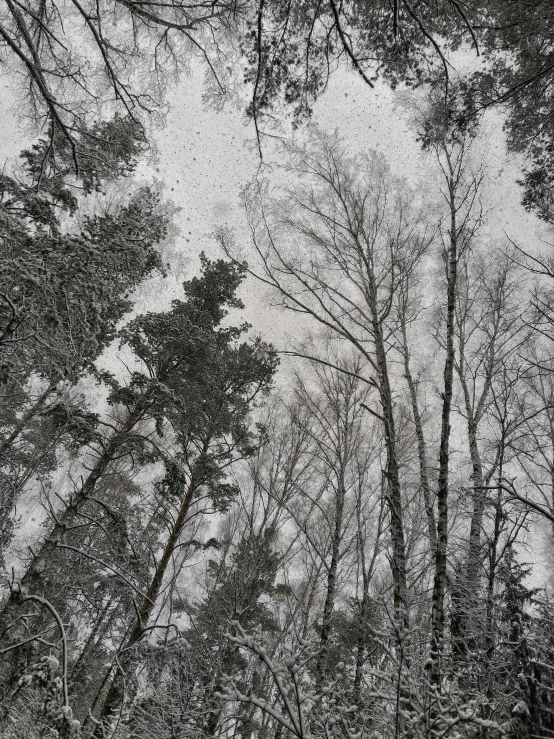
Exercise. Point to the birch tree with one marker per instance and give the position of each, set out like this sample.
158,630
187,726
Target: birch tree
357,235
460,190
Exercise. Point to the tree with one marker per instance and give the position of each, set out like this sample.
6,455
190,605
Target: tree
290,50
304,711
361,238
344,455
52,277
62,294
518,43
490,333
79,58
460,191
211,425
182,353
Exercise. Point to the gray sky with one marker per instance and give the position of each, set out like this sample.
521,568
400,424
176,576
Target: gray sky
206,157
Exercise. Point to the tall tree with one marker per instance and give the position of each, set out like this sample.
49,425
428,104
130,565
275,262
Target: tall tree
460,190
360,235
62,294
215,380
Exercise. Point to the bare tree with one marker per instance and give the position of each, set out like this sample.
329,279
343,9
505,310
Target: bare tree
345,457
357,235
490,332
460,191
77,58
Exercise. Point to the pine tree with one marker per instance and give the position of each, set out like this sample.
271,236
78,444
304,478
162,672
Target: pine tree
62,293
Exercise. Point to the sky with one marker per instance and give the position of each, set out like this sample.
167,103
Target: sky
205,157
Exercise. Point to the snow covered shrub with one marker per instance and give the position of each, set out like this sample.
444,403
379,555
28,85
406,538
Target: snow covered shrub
39,707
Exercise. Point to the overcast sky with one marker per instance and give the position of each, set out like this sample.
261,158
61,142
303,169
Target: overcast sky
205,158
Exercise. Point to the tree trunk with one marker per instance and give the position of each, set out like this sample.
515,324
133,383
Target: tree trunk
31,579
113,696
367,576
331,586
393,494
6,443
361,647
440,577
99,630
421,445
